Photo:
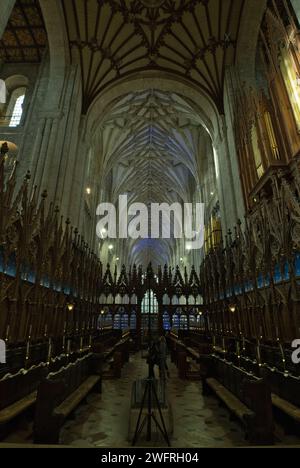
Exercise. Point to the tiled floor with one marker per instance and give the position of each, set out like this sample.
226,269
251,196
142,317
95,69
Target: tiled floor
103,421
198,421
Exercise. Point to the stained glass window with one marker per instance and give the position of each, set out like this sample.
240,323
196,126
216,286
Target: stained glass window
150,301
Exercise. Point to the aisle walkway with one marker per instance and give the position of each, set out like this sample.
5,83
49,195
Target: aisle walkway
198,421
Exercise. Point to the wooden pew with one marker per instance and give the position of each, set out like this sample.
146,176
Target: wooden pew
18,393
285,393
114,358
286,407
186,358
60,393
246,396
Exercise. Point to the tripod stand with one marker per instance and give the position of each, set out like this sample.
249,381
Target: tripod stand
150,393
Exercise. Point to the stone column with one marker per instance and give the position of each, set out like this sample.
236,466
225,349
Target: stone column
224,186
77,177
6,9
229,180
50,146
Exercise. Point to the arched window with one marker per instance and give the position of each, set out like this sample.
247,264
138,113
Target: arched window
133,320
292,81
16,116
183,322
166,321
117,322
271,135
15,107
150,303
257,153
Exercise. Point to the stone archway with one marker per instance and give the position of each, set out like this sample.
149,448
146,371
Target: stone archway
248,37
58,49
203,105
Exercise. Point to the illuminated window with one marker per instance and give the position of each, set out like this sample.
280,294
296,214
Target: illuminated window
117,322
150,303
183,322
271,136
291,79
133,320
166,321
17,112
257,153
176,321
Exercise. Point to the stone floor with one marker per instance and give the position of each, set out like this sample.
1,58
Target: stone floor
198,421
103,421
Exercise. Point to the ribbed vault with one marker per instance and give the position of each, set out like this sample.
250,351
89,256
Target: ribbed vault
192,39
150,147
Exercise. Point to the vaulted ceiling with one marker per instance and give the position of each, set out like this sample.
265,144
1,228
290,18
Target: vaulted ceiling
150,147
148,142
25,37
193,39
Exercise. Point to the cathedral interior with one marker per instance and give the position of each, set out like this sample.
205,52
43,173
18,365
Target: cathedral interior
165,102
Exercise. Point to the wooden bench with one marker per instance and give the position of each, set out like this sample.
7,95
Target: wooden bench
18,393
285,393
186,358
232,402
60,393
247,397
115,358
286,407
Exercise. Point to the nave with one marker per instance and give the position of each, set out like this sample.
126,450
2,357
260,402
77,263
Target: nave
116,115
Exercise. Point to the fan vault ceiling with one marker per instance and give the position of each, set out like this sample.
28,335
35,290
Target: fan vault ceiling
192,39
